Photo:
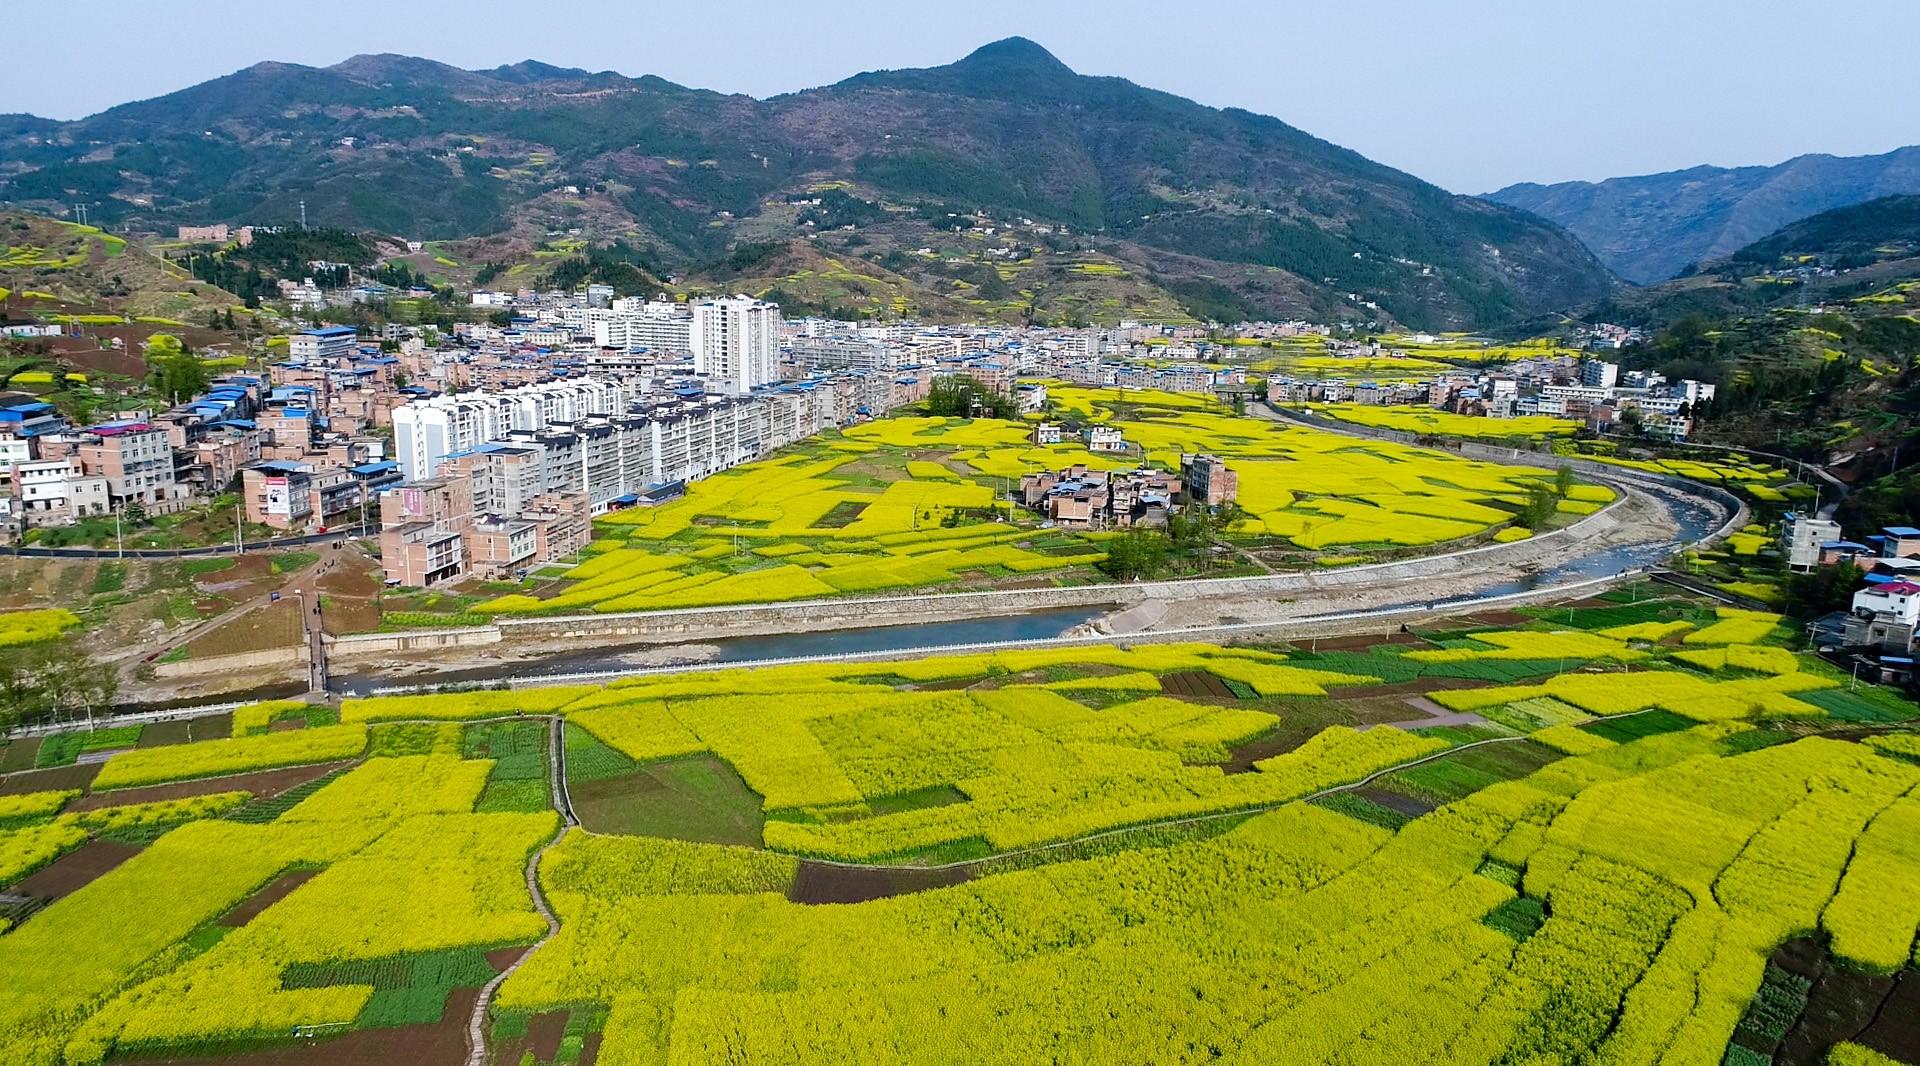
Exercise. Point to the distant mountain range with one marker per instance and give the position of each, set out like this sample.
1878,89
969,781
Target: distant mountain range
1653,227
1863,256
1222,212
1851,237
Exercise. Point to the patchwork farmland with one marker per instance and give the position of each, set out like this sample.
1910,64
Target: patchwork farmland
1600,830
918,502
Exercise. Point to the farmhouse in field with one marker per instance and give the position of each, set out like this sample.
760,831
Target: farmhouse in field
1208,480
1079,498
1105,439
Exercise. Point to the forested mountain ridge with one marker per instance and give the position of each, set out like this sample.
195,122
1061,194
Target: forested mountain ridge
1651,227
1219,211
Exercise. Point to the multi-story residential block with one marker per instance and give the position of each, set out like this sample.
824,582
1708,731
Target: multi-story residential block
50,492
426,431
323,344
276,494
137,460
1208,480
421,531
848,353
1802,536
737,341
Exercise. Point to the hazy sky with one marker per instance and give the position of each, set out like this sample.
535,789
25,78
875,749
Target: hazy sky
1470,94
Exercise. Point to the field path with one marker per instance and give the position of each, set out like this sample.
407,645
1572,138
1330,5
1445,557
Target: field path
557,772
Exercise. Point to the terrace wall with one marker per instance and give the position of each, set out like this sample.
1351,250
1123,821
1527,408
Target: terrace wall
243,660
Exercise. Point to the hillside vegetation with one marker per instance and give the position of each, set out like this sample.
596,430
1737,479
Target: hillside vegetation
1216,211
1652,227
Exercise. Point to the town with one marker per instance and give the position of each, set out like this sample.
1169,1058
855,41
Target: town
487,451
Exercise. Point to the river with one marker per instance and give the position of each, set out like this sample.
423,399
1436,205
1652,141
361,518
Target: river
1695,517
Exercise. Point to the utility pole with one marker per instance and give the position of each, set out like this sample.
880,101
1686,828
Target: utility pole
118,539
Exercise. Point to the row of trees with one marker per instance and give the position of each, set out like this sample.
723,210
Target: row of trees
56,681
962,396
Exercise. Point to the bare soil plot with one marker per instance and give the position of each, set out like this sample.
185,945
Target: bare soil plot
1360,642
274,892
818,883
274,626
1192,683
262,783
1881,1012
501,958
75,870
77,776
443,1043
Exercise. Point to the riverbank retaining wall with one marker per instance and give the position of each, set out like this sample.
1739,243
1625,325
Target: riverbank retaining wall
713,623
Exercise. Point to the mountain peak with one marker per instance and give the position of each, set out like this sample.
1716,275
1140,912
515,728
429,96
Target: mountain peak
1015,53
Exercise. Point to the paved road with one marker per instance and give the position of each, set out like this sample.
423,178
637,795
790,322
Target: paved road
29,551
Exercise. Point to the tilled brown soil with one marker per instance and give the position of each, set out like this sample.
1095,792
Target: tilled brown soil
1845,1005
262,783
1195,683
76,776
443,1043
819,883
280,888
1358,642
75,870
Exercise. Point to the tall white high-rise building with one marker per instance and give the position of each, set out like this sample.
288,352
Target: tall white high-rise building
426,431
737,340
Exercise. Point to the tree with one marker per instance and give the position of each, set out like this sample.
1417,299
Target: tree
21,697
1137,554
67,684
1827,589
964,396
172,369
1539,508
1563,481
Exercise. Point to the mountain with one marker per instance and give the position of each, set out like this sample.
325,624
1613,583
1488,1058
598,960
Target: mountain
1865,257
1653,227
1076,177
1845,238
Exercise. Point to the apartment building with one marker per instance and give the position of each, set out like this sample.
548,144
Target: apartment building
324,344
426,431
137,460
50,492
633,325
421,527
851,353
736,341
1208,480
1803,536
295,496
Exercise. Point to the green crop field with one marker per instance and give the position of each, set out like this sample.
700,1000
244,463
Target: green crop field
1605,862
